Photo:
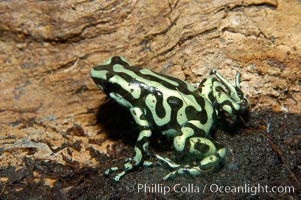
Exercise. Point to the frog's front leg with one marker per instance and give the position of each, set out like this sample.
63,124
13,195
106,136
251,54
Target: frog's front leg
141,147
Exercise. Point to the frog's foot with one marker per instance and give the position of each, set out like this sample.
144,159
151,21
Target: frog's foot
208,164
194,171
127,167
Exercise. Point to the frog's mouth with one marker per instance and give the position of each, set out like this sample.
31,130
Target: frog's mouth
99,82
100,86
108,87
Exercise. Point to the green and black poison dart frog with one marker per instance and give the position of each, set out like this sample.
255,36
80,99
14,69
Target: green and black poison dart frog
175,108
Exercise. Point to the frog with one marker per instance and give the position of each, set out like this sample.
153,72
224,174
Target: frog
177,109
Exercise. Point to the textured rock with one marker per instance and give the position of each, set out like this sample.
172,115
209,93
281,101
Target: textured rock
48,102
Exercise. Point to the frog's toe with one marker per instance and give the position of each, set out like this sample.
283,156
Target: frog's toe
107,172
118,176
170,163
222,153
169,175
110,170
147,164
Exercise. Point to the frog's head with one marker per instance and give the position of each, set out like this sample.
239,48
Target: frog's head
239,112
243,101
230,98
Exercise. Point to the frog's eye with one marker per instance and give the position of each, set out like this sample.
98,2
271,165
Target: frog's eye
244,104
244,101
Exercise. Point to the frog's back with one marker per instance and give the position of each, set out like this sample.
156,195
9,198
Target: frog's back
118,78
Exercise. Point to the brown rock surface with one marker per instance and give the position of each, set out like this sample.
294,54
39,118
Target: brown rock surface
48,101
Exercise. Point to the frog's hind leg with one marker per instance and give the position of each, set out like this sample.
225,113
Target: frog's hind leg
141,147
208,164
203,148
